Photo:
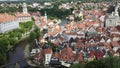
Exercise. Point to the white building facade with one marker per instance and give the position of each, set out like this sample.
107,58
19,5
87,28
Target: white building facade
8,23
23,17
48,58
113,19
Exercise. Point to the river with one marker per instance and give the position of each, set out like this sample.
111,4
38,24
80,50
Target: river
17,54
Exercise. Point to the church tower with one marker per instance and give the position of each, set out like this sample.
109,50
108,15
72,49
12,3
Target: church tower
45,17
116,9
25,7
81,13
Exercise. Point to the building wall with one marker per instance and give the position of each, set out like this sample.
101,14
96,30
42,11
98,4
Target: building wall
68,37
47,58
24,19
9,25
110,22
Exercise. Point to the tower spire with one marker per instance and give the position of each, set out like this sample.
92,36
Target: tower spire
116,9
45,17
25,7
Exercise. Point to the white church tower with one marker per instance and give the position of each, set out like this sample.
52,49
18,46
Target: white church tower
81,13
116,9
117,14
45,17
25,7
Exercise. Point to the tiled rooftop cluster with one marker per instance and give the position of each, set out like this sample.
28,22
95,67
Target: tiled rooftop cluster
84,40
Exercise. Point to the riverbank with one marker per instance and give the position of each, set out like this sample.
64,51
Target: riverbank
27,54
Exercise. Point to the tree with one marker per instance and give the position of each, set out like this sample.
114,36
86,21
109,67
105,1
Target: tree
71,40
13,41
32,36
78,65
3,49
44,31
109,62
4,43
52,45
2,58
95,64
19,36
22,30
78,18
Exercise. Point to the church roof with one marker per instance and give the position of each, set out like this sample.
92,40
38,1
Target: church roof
22,15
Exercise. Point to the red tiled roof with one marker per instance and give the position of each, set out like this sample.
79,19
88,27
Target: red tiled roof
54,31
115,43
36,13
107,45
92,53
79,57
78,45
6,17
88,17
99,55
96,12
118,28
22,15
41,54
67,54
89,23
48,51
56,55
80,25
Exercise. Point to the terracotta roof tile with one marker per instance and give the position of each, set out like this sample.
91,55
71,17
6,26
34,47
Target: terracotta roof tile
107,45
48,51
99,55
6,17
92,53
118,28
89,23
80,25
79,57
22,15
56,55
115,43
67,54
